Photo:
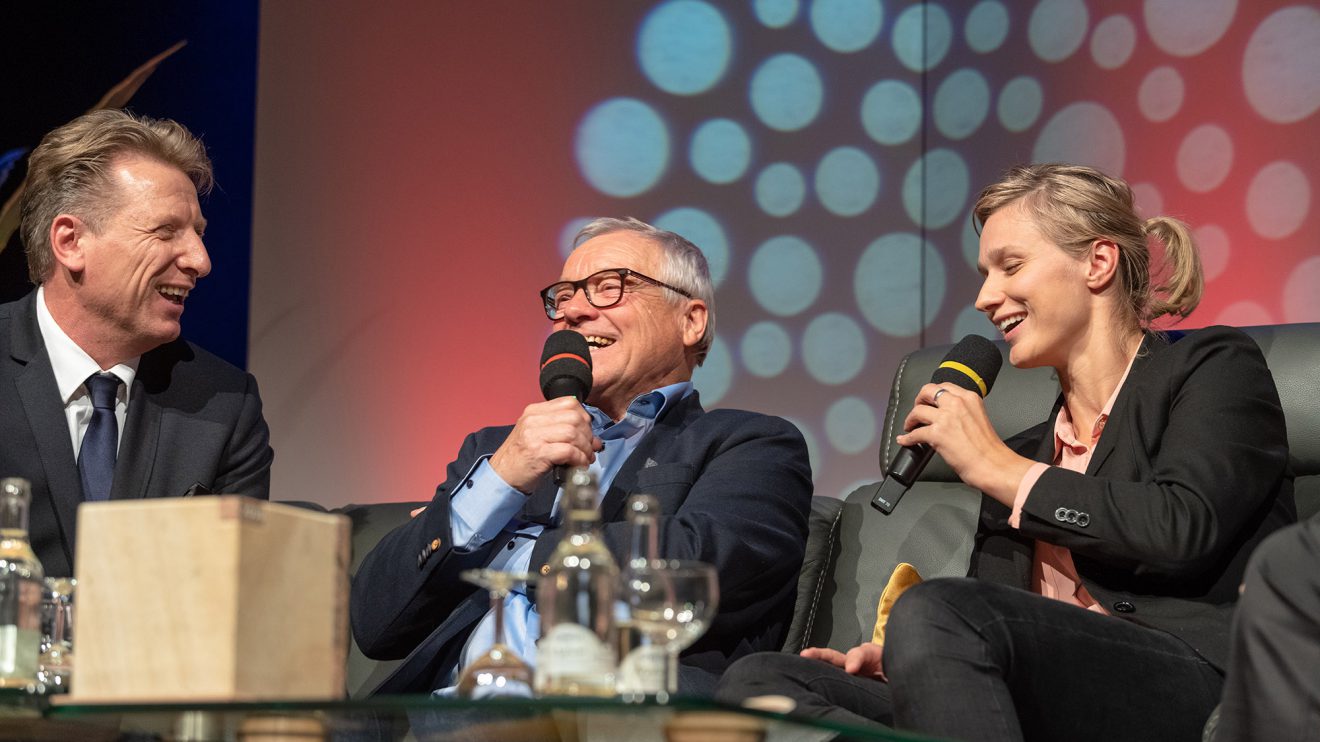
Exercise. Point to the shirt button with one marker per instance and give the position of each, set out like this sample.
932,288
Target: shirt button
1123,606
468,483
510,546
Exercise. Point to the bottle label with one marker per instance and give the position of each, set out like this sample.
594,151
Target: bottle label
571,654
18,652
643,671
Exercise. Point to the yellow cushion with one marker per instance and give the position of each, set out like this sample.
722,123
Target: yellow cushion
904,577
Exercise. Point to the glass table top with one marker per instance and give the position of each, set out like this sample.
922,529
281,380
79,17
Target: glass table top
421,718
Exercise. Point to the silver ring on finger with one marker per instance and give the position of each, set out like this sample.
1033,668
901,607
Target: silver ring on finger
936,400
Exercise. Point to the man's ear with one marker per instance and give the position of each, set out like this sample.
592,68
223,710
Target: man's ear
1101,265
66,232
693,322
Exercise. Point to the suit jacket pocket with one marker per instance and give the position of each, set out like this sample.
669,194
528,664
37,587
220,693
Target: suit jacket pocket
668,482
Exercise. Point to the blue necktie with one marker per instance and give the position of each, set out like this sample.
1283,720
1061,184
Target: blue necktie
96,458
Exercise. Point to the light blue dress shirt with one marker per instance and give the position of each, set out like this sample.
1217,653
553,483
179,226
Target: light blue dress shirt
483,507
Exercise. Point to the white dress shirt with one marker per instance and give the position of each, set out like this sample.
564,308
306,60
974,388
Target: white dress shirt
72,366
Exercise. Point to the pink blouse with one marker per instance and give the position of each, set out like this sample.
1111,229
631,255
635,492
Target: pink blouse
1053,573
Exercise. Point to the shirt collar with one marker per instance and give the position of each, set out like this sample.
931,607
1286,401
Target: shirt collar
642,411
1065,431
69,361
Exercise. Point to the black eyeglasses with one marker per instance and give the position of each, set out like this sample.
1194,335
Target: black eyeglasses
603,289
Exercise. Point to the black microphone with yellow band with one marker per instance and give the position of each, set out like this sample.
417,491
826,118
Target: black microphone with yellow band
972,364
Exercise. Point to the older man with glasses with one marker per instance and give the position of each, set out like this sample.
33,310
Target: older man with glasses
734,487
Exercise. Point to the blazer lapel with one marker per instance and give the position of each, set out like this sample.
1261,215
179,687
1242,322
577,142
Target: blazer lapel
1045,450
45,414
1108,440
141,428
137,444
650,449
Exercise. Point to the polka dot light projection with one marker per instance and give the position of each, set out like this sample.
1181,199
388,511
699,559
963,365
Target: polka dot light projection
826,155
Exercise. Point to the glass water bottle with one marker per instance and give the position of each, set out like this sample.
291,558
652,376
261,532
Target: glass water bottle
577,655
21,578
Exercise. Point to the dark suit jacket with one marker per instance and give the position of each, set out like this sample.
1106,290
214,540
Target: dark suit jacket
1189,474
192,418
734,490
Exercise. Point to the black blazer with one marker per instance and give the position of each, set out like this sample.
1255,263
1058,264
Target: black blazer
192,418
1189,474
734,490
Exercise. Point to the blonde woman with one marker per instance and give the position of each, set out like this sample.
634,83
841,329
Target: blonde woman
1113,535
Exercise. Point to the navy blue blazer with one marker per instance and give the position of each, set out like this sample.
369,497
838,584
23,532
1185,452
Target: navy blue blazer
192,418
734,490
1189,475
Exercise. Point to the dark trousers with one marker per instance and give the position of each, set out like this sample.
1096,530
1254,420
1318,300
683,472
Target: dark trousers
973,660
1273,687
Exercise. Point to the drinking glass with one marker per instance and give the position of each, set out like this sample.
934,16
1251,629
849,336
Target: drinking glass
500,671
55,663
671,604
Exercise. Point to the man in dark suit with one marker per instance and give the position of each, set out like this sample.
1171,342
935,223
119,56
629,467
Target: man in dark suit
1271,688
99,398
733,487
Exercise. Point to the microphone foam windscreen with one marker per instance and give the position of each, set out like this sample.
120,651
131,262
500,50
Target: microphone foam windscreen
566,366
972,364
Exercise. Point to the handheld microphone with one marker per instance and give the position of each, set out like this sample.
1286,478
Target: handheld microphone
972,364
566,366
565,372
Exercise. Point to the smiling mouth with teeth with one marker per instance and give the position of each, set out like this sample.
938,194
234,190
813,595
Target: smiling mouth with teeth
174,294
1007,325
596,342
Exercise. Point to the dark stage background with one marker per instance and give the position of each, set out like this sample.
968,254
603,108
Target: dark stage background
59,58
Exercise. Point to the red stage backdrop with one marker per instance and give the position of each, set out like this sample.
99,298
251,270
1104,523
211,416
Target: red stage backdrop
420,167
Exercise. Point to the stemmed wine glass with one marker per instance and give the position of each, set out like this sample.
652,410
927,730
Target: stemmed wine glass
500,671
671,604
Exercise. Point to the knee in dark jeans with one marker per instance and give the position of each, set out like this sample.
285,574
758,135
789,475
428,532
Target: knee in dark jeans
927,616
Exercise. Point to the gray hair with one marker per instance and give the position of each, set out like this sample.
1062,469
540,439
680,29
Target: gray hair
69,172
684,266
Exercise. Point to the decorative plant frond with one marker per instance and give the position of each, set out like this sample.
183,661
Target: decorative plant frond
119,95
116,97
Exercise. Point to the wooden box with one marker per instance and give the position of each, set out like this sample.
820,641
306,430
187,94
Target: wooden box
220,598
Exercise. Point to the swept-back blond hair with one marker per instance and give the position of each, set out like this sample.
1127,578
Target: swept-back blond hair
68,173
1074,205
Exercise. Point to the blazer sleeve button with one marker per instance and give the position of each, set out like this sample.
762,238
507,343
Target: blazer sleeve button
1083,520
1061,515
1123,606
545,569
